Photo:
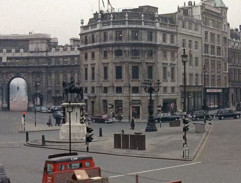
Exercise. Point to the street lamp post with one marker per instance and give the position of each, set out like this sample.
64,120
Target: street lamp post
204,96
184,61
69,110
150,88
37,84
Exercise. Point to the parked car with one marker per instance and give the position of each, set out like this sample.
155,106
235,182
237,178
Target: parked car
102,119
227,113
166,117
56,108
3,176
199,115
43,109
38,108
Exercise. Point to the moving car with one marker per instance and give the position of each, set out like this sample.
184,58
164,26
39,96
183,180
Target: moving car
102,119
166,117
227,113
43,109
199,115
3,175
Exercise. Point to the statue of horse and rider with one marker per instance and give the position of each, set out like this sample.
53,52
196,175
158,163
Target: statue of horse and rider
71,88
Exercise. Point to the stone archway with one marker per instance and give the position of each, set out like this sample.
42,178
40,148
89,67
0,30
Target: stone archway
17,94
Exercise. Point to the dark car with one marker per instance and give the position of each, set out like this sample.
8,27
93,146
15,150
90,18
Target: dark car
199,115
3,177
227,113
165,117
56,108
102,119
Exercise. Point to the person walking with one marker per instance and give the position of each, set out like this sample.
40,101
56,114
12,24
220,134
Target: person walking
49,123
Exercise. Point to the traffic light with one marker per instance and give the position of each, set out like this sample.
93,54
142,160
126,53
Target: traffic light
89,134
186,125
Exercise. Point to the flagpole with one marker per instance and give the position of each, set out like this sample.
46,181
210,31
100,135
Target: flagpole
99,5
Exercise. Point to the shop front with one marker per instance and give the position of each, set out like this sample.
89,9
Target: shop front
217,98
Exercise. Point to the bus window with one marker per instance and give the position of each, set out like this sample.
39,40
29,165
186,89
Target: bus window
49,169
87,164
73,166
61,167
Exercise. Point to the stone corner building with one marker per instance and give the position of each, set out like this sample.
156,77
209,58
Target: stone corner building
120,50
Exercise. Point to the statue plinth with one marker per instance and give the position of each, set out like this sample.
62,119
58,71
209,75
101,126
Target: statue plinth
74,121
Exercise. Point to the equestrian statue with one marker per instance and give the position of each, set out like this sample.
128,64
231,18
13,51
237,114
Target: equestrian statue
71,88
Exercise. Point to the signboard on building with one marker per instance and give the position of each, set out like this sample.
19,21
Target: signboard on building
214,90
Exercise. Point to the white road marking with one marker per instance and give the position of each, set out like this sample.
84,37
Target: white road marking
153,170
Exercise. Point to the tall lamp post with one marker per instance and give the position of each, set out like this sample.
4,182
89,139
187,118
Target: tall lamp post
37,84
69,110
150,88
204,107
184,61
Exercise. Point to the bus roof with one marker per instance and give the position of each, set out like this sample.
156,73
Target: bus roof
68,159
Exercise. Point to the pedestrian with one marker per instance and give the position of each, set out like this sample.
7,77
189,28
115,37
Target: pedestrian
49,123
132,123
57,120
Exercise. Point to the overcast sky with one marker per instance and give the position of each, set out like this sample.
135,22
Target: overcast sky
61,18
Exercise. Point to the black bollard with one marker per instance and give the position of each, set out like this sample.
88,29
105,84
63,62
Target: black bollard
43,140
27,137
123,132
100,132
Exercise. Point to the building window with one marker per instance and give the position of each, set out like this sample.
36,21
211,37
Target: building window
190,44
172,74
86,90
118,53
190,26
118,107
86,39
173,56
134,35
206,36
206,49
213,80
86,56
172,39
196,61
197,79
105,106
135,90
118,72
105,90
212,65
190,61
164,55
212,37
196,27
190,79
184,43
135,72
118,90
218,39
57,78
105,36
118,35
92,89
93,38
196,45
150,72
92,55
93,73
135,52
164,89
105,54
212,50
164,72
218,51
105,73
150,36
150,53
86,74
173,89
164,38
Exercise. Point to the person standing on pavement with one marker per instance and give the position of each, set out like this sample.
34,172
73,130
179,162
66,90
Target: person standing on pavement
49,123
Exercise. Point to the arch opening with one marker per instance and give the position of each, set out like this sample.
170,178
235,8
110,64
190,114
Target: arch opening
18,95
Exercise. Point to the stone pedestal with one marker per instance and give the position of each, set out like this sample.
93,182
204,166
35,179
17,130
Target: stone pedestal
78,130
